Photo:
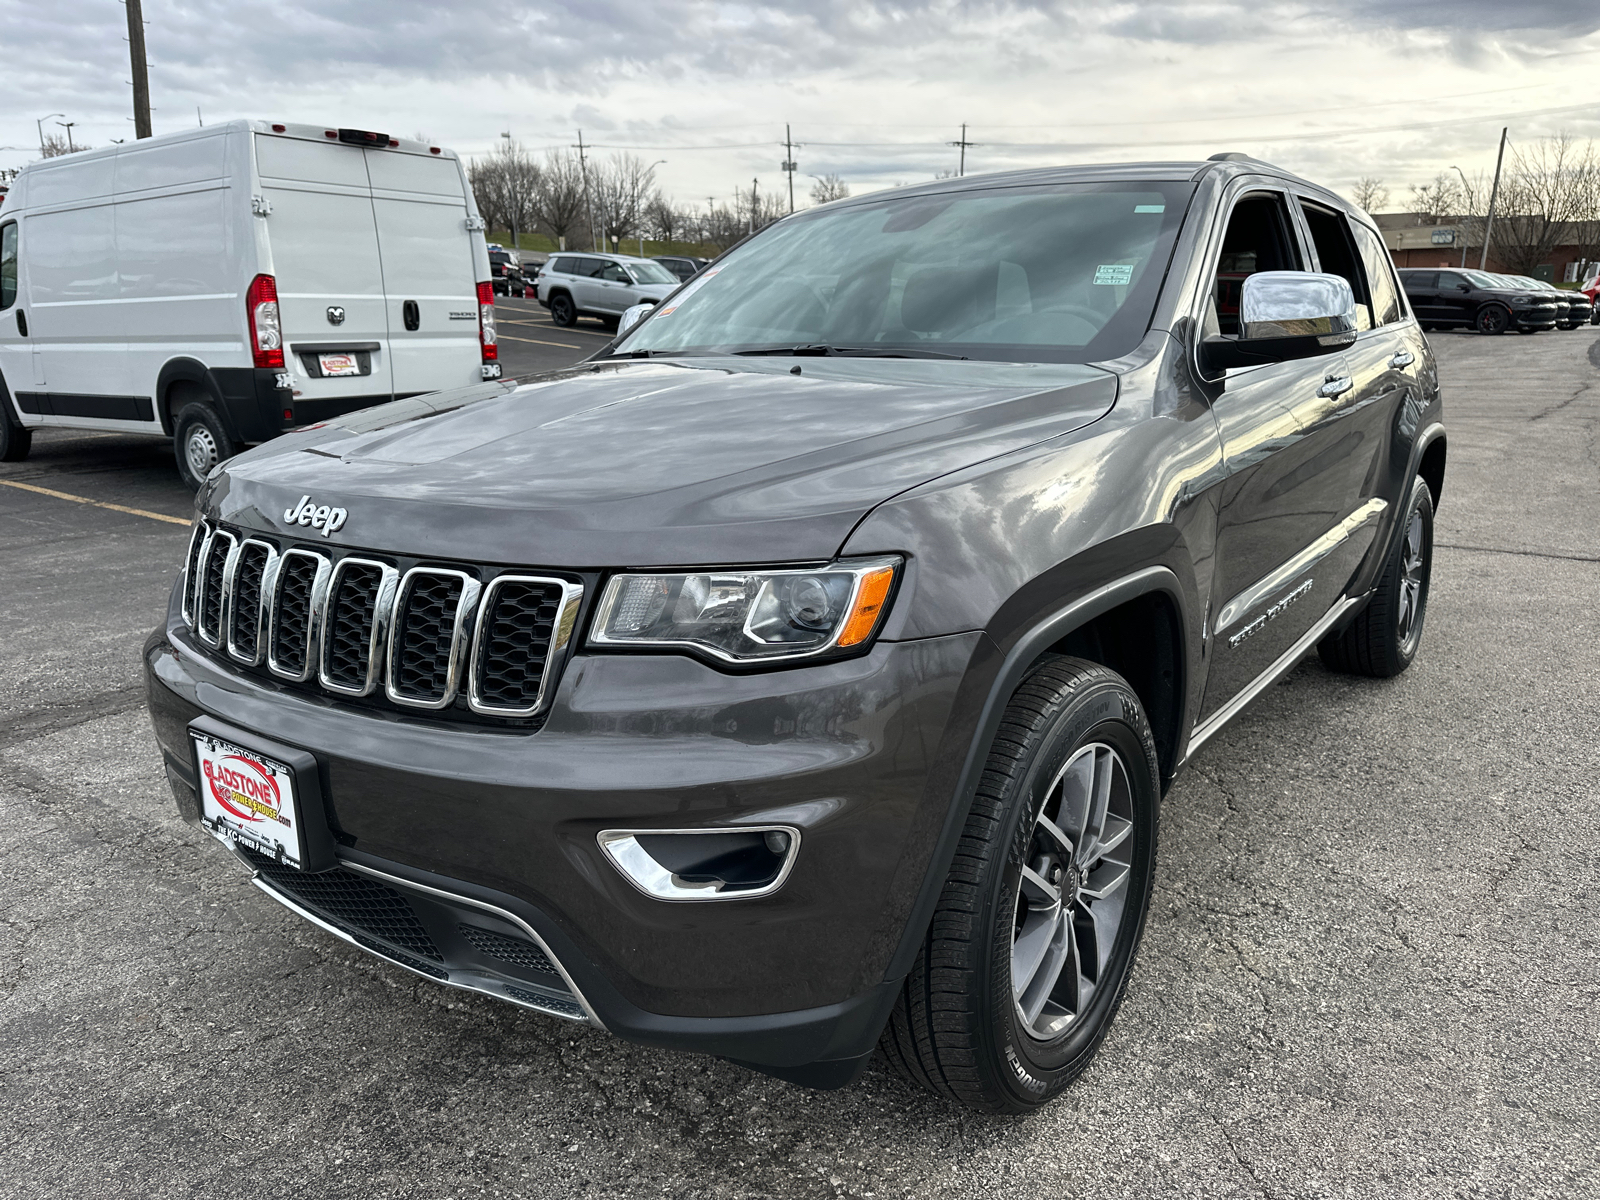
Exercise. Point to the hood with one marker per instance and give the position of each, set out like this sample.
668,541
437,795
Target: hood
639,463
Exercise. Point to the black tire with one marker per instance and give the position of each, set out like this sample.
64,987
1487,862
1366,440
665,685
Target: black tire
1383,639
1492,318
562,311
15,439
199,442
958,1028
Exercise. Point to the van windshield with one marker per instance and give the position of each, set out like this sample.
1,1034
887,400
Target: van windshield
1048,273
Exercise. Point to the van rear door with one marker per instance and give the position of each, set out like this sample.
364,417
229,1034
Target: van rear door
326,260
428,276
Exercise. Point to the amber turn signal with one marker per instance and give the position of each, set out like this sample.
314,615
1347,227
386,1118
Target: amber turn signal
871,596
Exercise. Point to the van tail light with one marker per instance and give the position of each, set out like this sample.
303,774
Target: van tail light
486,334
266,329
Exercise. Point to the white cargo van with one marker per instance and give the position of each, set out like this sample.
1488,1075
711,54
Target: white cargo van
221,285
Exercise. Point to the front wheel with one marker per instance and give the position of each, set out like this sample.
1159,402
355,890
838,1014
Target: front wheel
1383,639
562,310
1028,954
15,440
1492,319
200,442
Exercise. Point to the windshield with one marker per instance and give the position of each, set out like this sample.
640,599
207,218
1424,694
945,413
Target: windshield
1054,273
650,272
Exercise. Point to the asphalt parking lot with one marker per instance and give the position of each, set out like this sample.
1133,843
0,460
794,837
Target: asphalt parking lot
1371,967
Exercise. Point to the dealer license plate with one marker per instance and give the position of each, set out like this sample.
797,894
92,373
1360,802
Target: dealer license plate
339,364
248,798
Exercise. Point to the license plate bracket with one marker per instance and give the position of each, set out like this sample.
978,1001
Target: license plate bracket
261,794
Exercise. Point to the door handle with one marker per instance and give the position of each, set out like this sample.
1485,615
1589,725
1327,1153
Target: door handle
1335,385
22,323
1403,359
411,315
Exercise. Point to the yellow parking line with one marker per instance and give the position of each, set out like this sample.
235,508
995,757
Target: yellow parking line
539,342
121,508
548,325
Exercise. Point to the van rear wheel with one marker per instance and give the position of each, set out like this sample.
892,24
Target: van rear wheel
199,442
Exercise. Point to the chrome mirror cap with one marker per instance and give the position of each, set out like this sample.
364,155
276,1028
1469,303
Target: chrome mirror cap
1274,304
632,316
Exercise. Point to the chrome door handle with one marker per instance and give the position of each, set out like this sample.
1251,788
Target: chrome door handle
1403,359
1335,385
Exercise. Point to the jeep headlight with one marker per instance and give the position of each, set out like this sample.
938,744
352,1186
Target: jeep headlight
749,616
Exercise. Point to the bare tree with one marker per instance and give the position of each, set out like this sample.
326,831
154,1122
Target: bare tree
829,188
55,147
558,202
664,220
1439,200
504,184
623,188
1546,198
1369,193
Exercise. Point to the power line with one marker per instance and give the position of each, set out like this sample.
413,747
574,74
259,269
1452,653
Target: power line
963,143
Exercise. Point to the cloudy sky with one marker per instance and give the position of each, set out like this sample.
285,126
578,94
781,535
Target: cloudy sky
1394,89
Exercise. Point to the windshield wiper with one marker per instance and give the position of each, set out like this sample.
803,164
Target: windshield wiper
822,350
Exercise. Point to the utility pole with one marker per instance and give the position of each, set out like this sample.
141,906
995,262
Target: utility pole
141,70
789,163
583,168
67,125
755,198
1467,193
511,189
963,143
1494,194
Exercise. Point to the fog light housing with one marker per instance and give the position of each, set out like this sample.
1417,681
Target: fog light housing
703,864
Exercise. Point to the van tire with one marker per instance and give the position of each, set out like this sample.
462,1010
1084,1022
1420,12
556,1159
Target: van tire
199,442
562,311
15,441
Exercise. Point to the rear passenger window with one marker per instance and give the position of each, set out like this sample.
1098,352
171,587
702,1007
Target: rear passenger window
1418,281
8,265
1386,306
1258,238
1336,255
560,265
590,267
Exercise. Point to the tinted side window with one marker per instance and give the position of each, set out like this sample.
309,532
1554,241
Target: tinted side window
562,266
1336,255
592,267
1386,306
8,265
1449,280
1258,238
1421,281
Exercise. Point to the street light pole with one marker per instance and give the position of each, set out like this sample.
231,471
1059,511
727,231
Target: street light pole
1466,189
511,188
40,124
1494,194
67,125
648,170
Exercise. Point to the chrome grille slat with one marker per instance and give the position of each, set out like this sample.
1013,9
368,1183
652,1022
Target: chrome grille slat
211,596
524,622
357,613
191,568
254,574
432,624
294,622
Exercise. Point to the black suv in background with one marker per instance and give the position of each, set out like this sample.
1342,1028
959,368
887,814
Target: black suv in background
802,673
1449,298
683,266
1572,308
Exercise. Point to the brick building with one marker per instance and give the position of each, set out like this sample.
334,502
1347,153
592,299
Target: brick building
1424,240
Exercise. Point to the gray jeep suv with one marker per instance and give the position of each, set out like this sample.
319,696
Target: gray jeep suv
801,675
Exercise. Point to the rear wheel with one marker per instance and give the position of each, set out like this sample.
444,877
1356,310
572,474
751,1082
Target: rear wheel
1028,954
1383,639
1492,319
200,442
562,310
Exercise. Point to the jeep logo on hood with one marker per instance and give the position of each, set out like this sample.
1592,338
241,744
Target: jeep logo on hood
317,516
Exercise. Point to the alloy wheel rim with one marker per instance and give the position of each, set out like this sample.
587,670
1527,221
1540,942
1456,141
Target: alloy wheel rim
1411,573
1072,898
201,450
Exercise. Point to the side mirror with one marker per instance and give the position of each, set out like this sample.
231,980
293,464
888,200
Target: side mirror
632,316
1463,287
1285,315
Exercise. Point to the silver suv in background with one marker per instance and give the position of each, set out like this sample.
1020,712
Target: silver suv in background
601,285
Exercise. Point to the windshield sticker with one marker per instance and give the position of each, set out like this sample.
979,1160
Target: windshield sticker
1153,208
1114,273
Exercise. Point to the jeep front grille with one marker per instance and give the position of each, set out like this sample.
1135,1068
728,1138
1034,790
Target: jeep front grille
427,638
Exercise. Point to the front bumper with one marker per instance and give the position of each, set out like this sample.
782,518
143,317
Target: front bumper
860,755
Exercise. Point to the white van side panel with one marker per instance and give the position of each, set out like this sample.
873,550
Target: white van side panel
421,209
324,255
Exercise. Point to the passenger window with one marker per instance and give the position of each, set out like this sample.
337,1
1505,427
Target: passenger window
1449,281
614,274
1386,306
591,267
1336,255
1259,238
1419,281
8,265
